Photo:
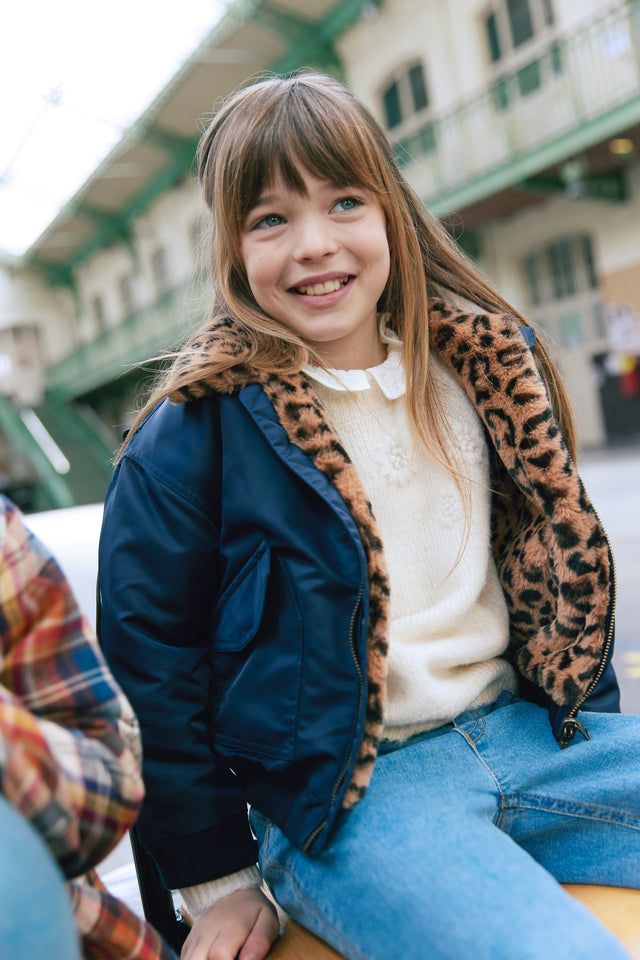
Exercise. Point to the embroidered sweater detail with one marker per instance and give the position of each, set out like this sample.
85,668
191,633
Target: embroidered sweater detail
550,550
198,898
449,620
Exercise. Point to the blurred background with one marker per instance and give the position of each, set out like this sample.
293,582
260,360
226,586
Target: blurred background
517,122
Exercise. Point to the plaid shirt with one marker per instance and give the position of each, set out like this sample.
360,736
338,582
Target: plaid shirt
69,741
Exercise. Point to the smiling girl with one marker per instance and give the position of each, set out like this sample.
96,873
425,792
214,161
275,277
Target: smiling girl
351,578
318,262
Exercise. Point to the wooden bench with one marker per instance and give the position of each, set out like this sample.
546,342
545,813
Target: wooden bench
617,909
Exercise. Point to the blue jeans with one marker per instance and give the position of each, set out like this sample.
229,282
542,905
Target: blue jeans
457,847
36,919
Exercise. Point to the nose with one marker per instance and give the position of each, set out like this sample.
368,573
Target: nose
315,238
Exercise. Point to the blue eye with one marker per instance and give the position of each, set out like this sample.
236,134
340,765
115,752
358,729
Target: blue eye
348,203
271,220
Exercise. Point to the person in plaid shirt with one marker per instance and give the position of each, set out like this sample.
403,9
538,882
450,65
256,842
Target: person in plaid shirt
69,767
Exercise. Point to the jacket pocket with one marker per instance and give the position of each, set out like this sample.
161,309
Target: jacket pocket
239,610
257,662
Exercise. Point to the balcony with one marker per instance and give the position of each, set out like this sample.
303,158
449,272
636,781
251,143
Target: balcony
584,89
145,334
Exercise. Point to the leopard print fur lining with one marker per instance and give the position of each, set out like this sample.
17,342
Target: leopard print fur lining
550,550
304,419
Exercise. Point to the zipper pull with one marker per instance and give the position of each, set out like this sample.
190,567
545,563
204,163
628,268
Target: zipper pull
568,730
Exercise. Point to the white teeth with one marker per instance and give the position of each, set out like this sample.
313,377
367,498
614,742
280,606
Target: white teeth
316,289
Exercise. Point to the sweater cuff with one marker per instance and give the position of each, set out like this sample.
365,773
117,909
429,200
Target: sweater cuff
199,898
215,852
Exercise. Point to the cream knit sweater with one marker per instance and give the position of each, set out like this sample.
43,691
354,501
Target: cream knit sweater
449,621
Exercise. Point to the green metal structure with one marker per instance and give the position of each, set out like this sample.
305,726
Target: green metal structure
504,138
517,132
151,331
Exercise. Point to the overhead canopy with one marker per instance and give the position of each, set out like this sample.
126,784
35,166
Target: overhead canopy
253,37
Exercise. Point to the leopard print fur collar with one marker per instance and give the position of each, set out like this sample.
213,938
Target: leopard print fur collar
550,549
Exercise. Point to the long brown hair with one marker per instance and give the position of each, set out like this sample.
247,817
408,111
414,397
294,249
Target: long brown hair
275,127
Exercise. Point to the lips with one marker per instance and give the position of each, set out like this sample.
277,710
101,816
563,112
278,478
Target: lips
322,288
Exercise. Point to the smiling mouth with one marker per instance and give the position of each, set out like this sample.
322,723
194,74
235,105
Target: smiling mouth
317,289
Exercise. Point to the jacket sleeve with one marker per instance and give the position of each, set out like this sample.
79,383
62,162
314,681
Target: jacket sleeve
69,742
158,576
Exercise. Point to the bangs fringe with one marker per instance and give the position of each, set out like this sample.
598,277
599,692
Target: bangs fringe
275,127
303,129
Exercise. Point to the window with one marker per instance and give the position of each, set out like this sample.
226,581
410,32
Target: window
21,364
532,272
392,111
563,290
405,96
520,21
97,308
405,102
27,349
571,333
563,269
418,88
518,34
160,270
560,260
511,23
127,293
495,49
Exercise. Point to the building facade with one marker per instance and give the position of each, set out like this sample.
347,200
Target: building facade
517,122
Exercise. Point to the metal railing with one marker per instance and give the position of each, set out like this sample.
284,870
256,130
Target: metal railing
13,424
584,88
141,336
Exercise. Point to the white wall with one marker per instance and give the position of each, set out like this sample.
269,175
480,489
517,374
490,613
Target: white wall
27,299
614,229
615,233
168,223
447,35
403,30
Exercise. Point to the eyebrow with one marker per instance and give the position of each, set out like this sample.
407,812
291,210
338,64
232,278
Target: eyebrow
269,198
264,199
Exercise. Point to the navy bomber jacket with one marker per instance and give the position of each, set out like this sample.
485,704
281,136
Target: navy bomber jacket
245,597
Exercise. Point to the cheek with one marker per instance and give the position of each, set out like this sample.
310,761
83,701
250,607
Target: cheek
254,269
380,247
384,263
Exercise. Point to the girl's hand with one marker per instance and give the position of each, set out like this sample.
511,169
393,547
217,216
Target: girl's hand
243,925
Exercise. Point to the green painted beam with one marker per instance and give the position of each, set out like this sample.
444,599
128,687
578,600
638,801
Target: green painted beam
81,432
171,143
291,28
57,275
54,486
343,16
312,46
117,226
117,351
81,439
520,168
99,216
610,186
116,229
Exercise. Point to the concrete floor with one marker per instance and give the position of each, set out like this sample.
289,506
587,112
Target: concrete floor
612,479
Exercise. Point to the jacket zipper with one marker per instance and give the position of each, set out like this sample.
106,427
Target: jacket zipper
571,725
318,830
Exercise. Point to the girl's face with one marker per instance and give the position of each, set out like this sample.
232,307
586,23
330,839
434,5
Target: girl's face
318,262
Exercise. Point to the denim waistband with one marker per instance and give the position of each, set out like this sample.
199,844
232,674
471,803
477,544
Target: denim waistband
467,716
505,699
